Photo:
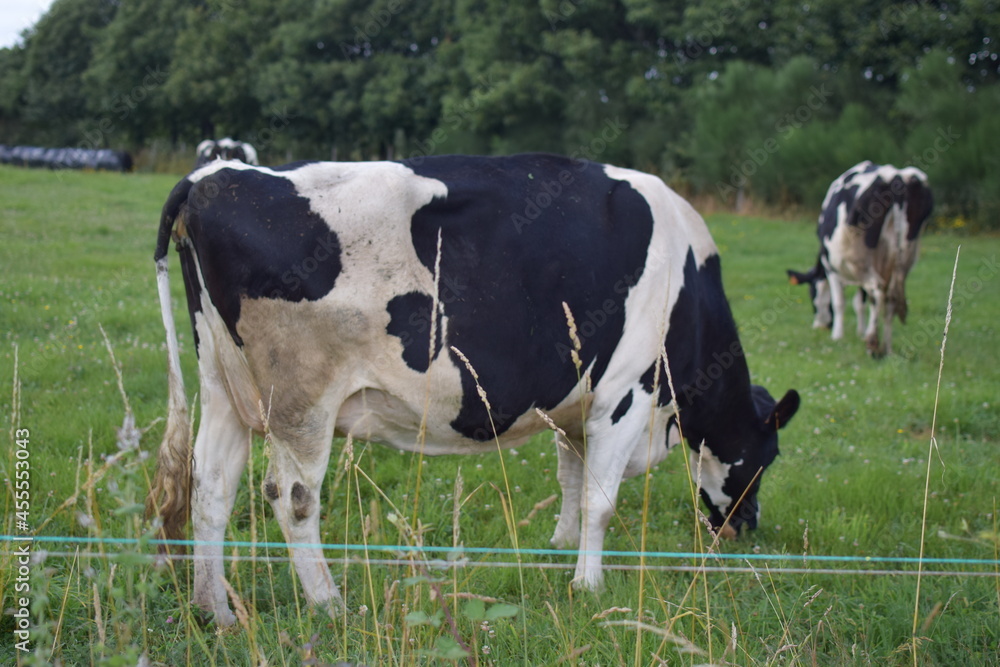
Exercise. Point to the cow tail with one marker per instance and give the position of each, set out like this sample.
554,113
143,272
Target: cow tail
170,493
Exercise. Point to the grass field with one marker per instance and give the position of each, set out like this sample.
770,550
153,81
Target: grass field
849,485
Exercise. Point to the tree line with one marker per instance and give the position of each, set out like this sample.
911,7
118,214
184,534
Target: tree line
727,98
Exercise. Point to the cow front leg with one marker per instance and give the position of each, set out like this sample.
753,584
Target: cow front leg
570,476
888,313
609,448
220,455
821,302
837,301
292,485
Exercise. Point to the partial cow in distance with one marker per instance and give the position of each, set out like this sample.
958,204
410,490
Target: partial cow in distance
423,304
225,149
869,235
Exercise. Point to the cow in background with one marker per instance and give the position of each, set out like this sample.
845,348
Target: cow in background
869,234
225,149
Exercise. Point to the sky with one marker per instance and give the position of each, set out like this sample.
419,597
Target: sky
16,15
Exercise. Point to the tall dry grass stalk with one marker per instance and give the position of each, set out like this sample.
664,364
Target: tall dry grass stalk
932,448
505,500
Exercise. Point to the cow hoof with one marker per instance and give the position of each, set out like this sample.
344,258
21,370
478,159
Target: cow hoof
335,608
875,350
593,584
222,617
565,540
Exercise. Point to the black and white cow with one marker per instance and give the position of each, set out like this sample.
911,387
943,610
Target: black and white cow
345,298
225,149
869,235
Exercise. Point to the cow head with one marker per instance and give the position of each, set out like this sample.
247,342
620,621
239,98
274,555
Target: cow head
723,485
808,278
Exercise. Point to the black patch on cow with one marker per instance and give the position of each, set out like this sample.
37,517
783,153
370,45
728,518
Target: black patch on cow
520,236
191,286
919,203
410,321
671,423
301,501
622,408
712,381
717,405
271,490
871,209
255,237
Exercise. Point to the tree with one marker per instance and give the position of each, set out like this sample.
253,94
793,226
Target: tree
125,79
56,54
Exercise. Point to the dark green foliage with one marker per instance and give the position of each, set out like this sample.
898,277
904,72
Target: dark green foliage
735,99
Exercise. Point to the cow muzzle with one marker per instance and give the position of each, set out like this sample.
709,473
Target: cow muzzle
745,515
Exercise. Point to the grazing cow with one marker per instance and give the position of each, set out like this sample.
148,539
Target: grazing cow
869,235
225,149
423,304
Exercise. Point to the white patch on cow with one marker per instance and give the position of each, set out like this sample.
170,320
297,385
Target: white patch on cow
649,302
712,474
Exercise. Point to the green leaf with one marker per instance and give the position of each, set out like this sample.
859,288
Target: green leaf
421,618
501,610
130,558
475,610
412,581
448,649
134,508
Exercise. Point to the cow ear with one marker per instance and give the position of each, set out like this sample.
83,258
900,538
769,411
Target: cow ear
783,411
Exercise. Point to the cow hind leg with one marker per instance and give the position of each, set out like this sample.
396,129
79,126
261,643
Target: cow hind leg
292,486
220,455
837,301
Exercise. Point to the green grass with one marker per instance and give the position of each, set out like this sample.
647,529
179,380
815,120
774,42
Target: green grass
77,253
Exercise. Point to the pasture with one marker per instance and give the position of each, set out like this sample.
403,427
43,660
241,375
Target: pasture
858,493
